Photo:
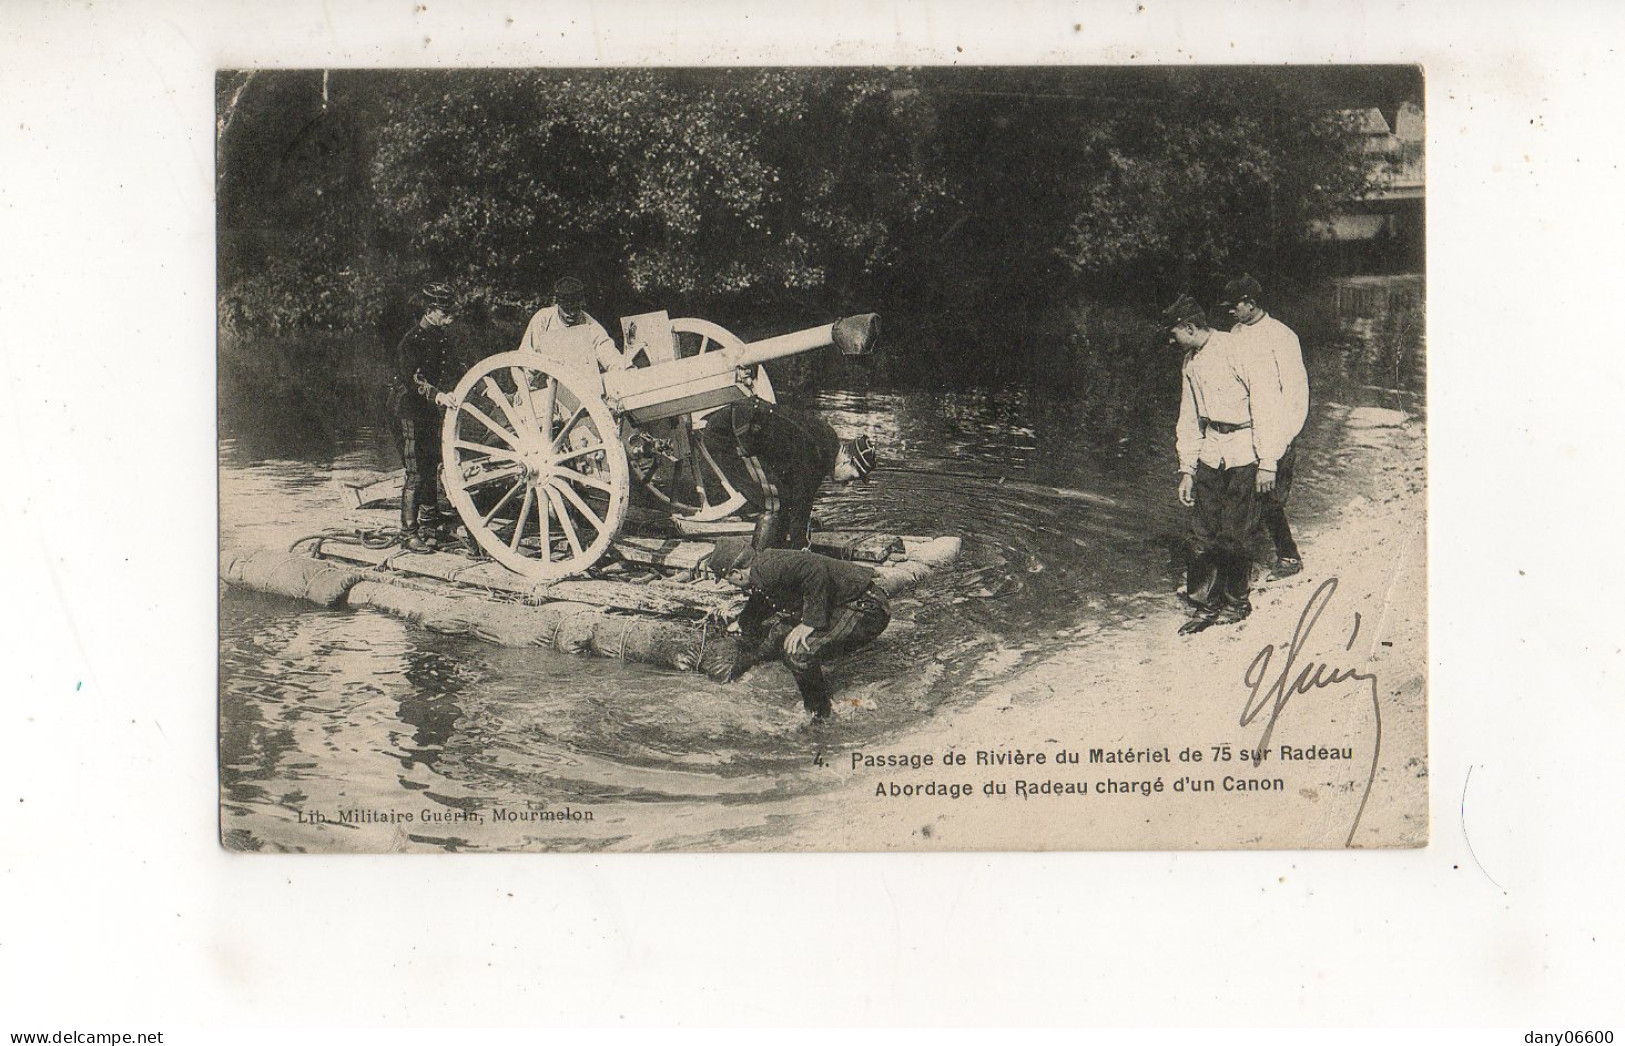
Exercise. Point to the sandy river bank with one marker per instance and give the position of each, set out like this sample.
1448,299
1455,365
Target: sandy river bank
1340,650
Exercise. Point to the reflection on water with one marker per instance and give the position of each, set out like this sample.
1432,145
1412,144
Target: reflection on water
1069,524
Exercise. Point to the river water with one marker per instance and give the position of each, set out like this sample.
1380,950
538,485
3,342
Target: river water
1070,526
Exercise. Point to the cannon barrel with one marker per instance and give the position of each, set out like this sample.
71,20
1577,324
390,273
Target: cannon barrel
853,336
666,389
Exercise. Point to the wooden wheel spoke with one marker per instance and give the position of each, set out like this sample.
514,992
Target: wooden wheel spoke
505,472
494,393
581,506
494,453
584,480
564,433
564,520
716,470
550,398
717,474
510,438
524,515
540,424
521,394
544,524
591,448
491,453
485,520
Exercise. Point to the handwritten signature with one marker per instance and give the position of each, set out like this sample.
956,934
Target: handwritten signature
1272,691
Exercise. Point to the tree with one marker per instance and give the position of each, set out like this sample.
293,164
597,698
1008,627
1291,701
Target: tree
1204,176
296,223
662,185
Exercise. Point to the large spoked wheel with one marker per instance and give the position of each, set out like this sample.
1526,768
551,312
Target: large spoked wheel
534,465
681,474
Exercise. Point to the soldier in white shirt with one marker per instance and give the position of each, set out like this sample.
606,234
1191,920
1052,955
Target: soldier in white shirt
1221,444
1273,345
563,332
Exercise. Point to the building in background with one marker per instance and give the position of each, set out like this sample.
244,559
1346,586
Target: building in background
1381,231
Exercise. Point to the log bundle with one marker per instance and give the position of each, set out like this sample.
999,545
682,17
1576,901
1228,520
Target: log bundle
669,621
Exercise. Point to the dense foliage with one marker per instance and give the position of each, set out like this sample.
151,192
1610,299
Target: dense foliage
983,212
665,186
1227,182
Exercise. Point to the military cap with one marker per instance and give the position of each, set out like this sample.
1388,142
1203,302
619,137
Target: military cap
439,296
730,553
569,291
1184,310
1242,286
861,450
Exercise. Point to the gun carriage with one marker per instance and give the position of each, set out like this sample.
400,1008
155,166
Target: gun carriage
541,453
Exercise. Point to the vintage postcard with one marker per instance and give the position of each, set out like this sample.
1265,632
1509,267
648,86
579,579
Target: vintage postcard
810,459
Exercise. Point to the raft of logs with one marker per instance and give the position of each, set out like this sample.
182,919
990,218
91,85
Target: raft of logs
648,606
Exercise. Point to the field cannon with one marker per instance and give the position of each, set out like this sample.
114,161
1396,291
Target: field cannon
541,453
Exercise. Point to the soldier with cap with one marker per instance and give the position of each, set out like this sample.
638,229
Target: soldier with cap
563,332
803,608
777,457
423,362
1223,392
1276,347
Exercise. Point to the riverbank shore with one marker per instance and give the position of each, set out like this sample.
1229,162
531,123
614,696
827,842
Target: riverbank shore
1326,682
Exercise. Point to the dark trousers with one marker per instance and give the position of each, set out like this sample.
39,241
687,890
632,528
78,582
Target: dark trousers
1224,525
1274,508
851,627
419,441
789,527
785,504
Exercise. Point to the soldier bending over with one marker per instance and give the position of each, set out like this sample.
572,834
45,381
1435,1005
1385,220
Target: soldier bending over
777,457
803,608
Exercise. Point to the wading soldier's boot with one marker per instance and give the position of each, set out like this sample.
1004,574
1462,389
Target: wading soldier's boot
810,680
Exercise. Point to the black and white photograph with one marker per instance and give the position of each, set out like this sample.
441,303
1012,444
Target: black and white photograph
823,458
858,515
